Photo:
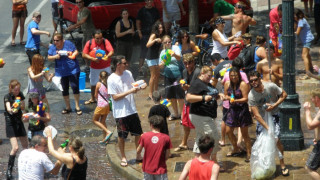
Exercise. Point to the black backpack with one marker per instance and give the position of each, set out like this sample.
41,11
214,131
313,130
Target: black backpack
247,55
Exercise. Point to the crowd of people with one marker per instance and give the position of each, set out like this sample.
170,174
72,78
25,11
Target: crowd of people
251,77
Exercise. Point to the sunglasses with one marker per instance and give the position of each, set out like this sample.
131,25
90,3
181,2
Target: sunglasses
188,63
253,80
56,40
168,42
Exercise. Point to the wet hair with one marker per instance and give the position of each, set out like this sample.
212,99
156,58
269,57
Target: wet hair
115,60
123,10
205,69
33,93
13,83
77,146
254,74
205,143
58,35
36,140
103,76
37,64
215,56
299,13
260,40
232,85
156,121
156,96
188,57
238,63
155,29
181,35
315,92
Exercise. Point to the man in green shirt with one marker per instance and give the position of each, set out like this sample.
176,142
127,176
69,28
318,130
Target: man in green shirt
223,8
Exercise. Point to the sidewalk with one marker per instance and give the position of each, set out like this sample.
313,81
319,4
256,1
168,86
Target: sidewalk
235,167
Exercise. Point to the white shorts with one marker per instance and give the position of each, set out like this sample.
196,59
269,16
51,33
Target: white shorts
228,26
173,16
94,74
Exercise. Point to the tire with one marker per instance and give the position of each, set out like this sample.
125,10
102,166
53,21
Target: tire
205,59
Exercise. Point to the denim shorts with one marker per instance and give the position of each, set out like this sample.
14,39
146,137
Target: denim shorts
152,62
307,45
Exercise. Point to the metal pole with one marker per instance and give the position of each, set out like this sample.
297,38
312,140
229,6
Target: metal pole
268,43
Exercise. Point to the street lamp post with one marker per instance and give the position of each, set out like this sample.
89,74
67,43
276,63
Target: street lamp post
291,134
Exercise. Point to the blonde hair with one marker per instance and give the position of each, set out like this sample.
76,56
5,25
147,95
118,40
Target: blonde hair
205,69
78,147
315,92
188,57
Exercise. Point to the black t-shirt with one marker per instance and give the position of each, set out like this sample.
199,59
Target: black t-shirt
202,108
10,98
147,17
221,67
191,77
162,111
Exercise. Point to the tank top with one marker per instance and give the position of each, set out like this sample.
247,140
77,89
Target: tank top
200,170
219,48
154,51
19,7
127,37
189,50
78,172
104,92
36,84
256,57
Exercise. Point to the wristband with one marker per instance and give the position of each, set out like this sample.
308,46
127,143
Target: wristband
204,98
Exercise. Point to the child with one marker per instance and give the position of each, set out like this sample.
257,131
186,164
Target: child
14,124
305,35
161,110
36,124
313,161
156,150
102,110
36,74
202,167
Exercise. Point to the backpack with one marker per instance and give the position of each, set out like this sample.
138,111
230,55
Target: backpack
247,55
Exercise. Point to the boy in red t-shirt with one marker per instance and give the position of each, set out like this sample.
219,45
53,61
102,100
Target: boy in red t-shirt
156,150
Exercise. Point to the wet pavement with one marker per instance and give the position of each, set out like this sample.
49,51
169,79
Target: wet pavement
104,161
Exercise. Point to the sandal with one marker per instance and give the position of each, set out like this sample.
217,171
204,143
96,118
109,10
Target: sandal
285,171
171,118
89,102
22,43
234,154
247,160
13,44
66,111
181,148
78,111
124,163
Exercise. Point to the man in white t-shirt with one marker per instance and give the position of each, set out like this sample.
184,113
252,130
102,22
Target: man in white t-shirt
123,104
33,162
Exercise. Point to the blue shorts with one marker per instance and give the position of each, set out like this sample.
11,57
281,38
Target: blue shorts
307,45
152,62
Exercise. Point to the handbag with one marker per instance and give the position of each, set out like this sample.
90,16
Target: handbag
107,100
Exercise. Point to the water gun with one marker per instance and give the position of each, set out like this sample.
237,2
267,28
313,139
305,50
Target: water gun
40,109
139,84
110,103
232,98
223,71
166,102
279,43
100,54
166,57
197,49
65,143
30,115
1,61
64,53
45,69
183,81
16,105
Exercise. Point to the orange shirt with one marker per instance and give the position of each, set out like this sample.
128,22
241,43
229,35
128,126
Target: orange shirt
200,170
19,7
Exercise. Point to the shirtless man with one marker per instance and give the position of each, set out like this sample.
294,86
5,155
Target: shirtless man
240,20
276,70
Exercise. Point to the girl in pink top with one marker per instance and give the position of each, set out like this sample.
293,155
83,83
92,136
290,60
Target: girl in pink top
102,110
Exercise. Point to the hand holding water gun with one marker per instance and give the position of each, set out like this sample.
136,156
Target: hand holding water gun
40,109
166,57
182,82
100,54
31,115
197,49
16,105
141,84
232,98
45,69
165,102
64,53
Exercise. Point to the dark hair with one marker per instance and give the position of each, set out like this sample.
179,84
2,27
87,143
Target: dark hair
33,93
97,31
215,56
156,121
155,29
237,62
254,73
77,146
181,36
271,46
205,143
156,96
36,140
260,40
122,10
279,7
232,85
58,35
115,60
103,76
298,13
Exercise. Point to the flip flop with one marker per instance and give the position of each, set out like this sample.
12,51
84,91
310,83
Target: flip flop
124,163
235,154
284,170
66,111
13,44
23,43
78,111
107,139
89,102
221,143
180,148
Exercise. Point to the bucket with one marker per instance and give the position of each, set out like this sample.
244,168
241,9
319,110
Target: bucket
82,81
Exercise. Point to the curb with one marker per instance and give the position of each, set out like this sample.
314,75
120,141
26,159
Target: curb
128,171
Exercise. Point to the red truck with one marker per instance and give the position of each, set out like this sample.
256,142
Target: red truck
105,13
